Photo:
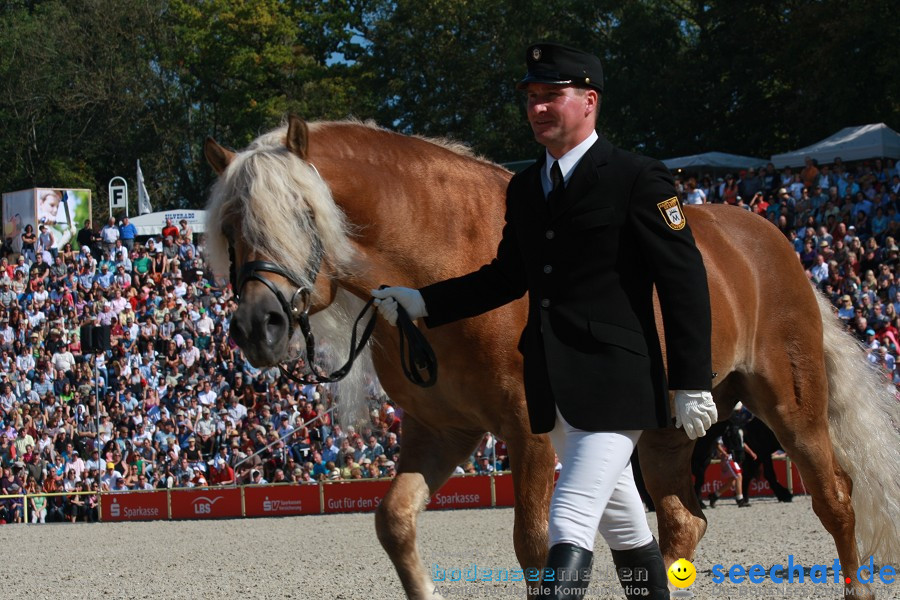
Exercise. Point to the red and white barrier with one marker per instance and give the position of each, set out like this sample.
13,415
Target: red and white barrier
714,481
467,491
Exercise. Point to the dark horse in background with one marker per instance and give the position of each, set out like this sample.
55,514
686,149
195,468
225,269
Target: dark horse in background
342,207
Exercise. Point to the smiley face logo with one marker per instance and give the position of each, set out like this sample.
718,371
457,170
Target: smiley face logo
682,573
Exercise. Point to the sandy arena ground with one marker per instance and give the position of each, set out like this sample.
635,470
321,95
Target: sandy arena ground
338,556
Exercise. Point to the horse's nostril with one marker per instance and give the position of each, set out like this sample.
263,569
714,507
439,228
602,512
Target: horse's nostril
274,327
238,332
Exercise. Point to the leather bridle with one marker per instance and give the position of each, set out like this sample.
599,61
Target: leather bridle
416,354
296,311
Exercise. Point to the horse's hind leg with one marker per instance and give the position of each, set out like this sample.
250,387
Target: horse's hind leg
426,462
793,402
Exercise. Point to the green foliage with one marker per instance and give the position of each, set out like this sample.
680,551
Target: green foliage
89,86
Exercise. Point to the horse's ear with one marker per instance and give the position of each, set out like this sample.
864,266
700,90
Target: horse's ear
297,139
217,156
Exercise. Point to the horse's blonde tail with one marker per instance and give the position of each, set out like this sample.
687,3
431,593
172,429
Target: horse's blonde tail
332,328
864,417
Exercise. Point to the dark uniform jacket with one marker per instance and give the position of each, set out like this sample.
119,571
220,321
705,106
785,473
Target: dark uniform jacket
589,263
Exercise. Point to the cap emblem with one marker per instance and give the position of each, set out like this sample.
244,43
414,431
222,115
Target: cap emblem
536,53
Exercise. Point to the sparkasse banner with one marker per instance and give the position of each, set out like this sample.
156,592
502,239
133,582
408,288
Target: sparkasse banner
463,492
135,506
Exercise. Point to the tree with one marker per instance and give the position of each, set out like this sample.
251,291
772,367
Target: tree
234,69
88,87
72,108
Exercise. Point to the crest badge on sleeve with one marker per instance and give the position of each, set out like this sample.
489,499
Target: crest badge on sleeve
671,212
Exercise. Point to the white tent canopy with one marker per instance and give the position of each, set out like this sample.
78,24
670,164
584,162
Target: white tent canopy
850,143
714,160
152,223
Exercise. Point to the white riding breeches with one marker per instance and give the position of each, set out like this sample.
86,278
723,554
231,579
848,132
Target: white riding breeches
595,490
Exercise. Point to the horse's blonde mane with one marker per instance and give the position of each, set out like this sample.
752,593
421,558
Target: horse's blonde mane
281,206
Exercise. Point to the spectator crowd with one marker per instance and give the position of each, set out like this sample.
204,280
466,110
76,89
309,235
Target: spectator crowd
159,397
844,223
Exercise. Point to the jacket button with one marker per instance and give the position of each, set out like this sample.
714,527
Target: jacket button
548,269
545,303
549,234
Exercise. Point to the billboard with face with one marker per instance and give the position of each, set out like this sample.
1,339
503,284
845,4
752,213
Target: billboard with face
58,210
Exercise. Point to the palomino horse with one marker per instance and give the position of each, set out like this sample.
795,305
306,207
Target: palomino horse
348,206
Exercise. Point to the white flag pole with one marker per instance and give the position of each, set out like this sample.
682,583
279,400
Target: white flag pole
144,206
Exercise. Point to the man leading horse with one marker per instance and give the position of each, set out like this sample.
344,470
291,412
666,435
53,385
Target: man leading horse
590,230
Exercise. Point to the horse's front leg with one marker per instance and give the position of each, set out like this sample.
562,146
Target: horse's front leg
426,462
531,461
665,456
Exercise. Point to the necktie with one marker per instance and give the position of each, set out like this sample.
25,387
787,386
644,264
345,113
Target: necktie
557,182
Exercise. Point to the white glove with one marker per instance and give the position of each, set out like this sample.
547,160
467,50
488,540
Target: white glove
411,300
696,411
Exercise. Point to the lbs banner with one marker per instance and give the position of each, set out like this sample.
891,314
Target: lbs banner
212,503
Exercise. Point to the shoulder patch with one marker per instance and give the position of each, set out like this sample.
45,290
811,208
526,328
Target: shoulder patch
671,212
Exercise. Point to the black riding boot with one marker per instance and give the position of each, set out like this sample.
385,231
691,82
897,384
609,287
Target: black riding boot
640,570
571,566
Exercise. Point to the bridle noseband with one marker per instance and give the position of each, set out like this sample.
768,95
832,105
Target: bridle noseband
296,313
416,355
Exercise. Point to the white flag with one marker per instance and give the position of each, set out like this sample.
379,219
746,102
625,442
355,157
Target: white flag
143,197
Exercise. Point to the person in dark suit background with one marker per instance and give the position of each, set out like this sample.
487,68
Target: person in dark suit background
86,237
590,229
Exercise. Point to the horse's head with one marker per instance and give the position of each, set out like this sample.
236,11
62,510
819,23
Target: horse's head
276,232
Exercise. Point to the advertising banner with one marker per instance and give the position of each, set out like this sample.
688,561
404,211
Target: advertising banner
134,506
463,492
61,210
278,500
715,481
503,490
358,496
153,223
18,211
212,503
